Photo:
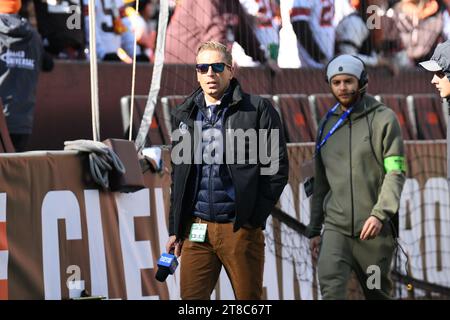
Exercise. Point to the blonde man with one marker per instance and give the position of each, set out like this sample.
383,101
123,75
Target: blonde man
219,209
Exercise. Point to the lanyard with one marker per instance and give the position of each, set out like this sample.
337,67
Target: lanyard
334,128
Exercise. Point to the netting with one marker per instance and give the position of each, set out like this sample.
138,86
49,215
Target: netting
300,99
424,218
299,37
264,36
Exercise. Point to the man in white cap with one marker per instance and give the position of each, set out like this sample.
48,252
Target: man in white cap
440,65
359,176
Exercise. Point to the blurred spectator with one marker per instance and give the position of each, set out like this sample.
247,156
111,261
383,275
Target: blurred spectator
353,36
385,38
149,10
109,28
21,58
135,23
198,21
288,48
420,26
312,21
61,31
265,22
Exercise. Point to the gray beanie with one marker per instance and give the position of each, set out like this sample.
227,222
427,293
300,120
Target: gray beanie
345,64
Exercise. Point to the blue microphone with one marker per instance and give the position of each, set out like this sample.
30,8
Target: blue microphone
167,264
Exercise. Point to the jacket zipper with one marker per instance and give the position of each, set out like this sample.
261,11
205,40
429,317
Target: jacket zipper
351,176
211,206
225,119
210,185
196,166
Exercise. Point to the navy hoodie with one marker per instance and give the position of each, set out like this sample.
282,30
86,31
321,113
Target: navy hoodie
21,54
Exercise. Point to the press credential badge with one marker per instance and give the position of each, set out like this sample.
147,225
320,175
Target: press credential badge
198,232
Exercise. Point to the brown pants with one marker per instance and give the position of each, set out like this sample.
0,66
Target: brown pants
240,252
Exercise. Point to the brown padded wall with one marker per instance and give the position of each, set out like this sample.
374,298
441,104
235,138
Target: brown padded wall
63,95
429,117
398,104
298,120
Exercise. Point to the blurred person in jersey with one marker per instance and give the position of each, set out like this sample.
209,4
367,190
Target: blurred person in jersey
266,23
312,21
359,176
22,57
198,21
353,35
109,28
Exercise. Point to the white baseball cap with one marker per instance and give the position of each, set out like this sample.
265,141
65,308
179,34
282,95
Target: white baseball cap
440,61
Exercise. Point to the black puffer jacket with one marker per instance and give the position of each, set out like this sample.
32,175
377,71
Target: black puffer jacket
256,194
215,199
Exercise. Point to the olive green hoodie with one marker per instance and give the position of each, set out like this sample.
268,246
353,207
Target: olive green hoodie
350,183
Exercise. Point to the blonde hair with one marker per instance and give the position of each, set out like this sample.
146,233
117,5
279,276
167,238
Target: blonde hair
216,46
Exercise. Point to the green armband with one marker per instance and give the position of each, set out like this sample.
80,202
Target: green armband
394,163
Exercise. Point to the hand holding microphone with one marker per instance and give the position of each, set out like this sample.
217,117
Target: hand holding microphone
168,263
174,245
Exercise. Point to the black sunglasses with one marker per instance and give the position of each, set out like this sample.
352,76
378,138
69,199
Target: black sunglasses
217,67
440,74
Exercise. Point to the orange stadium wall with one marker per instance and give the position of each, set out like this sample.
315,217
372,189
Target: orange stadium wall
63,96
